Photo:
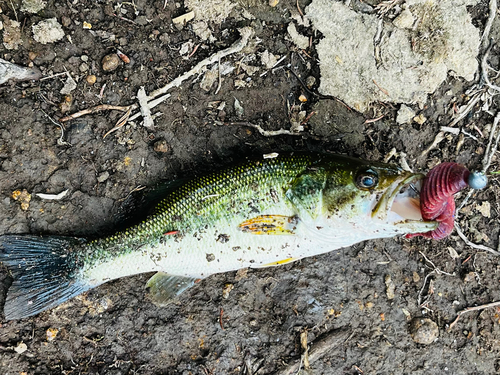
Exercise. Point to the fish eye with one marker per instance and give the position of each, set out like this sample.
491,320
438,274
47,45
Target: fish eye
367,179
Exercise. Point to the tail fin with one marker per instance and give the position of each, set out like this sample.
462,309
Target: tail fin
45,271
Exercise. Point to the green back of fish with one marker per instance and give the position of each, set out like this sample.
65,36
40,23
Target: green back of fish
242,190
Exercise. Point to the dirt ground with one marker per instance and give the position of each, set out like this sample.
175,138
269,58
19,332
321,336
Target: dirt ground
354,305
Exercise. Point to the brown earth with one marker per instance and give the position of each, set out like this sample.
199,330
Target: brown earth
342,299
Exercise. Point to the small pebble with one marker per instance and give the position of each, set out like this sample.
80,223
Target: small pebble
310,81
84,58
423,331
91,79
84,67
162,146
103,177
110,62
66,21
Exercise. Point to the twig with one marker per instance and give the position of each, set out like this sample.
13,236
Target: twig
473,308
374,119
492,145
122,121
145,108
54,75
265,133
99,108
380,88
440,136
489,23
419,299
438,271
219,85
491,149
298,8
319,349
151,104
194,51
246,34
484,69
480,307
472,244
60,141
14,9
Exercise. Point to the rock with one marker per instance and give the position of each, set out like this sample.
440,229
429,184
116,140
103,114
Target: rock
209,79
215,11
299,40
268,59
390,287
11,33
423,331
405,20
405,115
33,6
162,146
110,62
202,31
91,79
103,177
406,65
48,31
420,119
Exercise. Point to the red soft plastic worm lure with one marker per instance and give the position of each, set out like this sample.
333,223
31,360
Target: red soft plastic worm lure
436,197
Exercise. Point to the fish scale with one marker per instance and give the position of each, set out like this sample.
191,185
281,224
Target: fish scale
257,214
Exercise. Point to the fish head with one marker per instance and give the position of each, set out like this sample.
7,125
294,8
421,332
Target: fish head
379,199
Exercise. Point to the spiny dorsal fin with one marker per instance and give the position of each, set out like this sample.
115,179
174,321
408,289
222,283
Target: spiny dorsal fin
163,287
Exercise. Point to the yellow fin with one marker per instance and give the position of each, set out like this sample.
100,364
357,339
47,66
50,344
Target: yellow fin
280,262
270,224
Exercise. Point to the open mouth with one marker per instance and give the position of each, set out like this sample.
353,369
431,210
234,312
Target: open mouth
400,205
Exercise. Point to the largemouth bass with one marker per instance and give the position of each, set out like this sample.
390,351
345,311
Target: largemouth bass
261,213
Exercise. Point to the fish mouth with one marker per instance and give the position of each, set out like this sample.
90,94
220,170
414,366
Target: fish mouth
400,205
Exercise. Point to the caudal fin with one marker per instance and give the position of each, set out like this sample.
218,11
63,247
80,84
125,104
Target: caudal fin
45,272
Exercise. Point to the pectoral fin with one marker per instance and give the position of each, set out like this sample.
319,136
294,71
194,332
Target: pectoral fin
270,224
163,287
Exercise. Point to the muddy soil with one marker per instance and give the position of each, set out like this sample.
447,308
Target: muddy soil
354,305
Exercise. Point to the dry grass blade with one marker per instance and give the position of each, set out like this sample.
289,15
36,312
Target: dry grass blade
102,107
122,121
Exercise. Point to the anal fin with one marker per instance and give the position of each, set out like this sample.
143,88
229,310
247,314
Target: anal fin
270,224
164,287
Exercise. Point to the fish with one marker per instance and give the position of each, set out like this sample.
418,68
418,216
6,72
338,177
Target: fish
260,213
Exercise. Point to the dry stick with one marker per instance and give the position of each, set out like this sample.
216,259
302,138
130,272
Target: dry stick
474,308
484,68
472,244
246,33
145,108
489,23
491,149
122,121
151,105
60,141
99,108
440,136
265,133
319,349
